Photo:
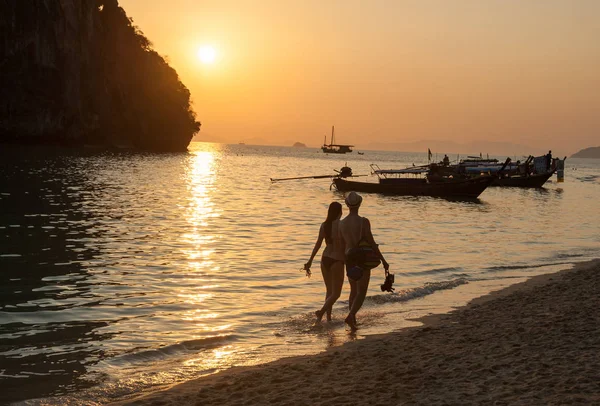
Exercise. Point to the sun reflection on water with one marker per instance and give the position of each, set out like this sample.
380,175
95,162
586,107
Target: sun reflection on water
194,298
201,238
221,358
200,177
199,314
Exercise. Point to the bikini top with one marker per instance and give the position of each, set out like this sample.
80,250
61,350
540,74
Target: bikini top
332,248
334,239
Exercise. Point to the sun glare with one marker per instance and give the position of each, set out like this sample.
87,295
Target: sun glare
207,54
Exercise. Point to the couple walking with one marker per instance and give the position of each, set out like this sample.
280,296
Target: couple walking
342,238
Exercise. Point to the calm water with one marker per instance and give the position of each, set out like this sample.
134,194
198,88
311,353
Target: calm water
124,272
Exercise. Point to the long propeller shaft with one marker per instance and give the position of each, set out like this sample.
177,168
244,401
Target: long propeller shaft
304,177
316,177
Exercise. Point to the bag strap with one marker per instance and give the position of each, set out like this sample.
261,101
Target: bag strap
361,237
362,222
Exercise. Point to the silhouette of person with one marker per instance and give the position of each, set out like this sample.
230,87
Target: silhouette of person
446,160
352,229
548,160
332,260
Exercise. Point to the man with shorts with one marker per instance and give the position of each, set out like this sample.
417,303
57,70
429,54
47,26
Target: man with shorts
352,229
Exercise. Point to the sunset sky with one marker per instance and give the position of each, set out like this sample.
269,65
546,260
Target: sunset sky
385,72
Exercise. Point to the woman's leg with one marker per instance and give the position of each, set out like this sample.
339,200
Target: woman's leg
326,271
362,286
337,282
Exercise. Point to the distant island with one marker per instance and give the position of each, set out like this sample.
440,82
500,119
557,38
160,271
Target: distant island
81,73
299,145
591,152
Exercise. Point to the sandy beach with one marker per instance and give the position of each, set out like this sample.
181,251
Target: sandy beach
534,343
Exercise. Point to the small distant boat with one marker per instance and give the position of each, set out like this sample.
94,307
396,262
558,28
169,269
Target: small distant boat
360,153
333,148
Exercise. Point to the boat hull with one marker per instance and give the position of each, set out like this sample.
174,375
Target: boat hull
469,188
335,151
531,181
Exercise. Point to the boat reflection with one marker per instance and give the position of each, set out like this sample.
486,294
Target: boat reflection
385,198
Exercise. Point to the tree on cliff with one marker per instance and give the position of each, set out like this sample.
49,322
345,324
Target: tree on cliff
76,72
144,90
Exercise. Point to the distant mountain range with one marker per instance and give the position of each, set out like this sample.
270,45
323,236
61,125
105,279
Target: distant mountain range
439,147
591,152
451,147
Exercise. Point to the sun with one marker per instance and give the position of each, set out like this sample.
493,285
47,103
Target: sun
207,54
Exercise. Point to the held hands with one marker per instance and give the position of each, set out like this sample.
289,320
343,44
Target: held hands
386,266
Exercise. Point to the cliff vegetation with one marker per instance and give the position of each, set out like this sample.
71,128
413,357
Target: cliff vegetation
78,72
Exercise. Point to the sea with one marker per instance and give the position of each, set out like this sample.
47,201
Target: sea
124,273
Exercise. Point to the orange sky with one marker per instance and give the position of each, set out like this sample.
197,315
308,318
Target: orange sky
386,71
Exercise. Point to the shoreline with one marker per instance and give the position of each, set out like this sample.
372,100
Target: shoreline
534,342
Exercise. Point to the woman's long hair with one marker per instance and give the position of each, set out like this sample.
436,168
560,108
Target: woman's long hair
334,212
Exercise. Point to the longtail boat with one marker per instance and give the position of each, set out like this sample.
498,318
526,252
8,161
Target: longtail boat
532,173
399,182
535,180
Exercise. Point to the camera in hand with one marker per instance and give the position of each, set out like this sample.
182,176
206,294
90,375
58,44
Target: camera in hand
387,285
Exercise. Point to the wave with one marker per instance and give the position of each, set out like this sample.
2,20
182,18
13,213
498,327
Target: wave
295,328
567,255
513,267
305,323
433,271
146,375
169,350
415,293
589,178
460,275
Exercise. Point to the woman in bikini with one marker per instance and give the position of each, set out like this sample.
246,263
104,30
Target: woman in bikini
352,229
332,261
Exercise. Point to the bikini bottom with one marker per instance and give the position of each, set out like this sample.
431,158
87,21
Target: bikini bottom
328,261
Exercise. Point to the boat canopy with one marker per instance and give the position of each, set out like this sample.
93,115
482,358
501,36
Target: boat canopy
485,169
490,168
415,170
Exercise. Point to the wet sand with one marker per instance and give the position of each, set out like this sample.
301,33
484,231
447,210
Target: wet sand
534,343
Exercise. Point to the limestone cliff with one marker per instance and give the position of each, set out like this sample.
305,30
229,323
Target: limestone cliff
79,72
